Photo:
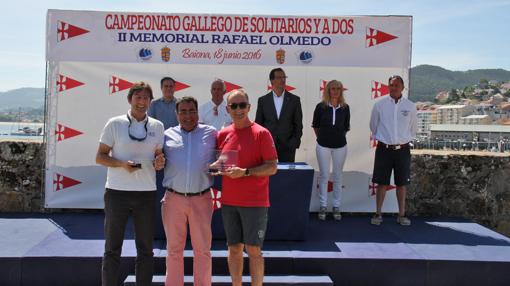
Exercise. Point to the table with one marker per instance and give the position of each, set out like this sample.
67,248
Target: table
289,195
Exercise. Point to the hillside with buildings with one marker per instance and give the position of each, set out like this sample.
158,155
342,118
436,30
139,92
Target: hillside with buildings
473,117
22,104
427,81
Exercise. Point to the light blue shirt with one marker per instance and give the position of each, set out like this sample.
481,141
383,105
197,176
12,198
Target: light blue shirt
164,112
188,156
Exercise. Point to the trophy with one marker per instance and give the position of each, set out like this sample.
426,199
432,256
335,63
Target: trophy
225,159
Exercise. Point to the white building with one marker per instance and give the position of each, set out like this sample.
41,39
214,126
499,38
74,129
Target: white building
451,114
476,120
468,133
502,112
426,117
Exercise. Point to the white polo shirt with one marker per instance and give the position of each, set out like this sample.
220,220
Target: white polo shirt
115,135
394,123
206,115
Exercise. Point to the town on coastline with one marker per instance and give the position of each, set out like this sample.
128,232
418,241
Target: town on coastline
476,117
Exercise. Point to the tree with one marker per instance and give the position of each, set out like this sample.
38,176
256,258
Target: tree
484,83
454,95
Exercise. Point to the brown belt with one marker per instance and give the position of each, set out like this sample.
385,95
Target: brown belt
188,194
393,147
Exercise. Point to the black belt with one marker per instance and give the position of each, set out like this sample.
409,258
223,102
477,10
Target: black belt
188,194
393,147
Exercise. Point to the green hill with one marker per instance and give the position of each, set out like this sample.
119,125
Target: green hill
26,97
427,80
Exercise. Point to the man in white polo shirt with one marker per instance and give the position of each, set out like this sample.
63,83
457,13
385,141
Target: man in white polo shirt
189,149
214,112
131,147
394,124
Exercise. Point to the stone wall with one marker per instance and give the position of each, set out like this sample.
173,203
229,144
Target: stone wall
21,176
468,185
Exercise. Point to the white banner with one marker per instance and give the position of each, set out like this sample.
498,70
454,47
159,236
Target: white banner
94,57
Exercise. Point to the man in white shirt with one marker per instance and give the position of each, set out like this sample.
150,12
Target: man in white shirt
214,112
393,123
131,147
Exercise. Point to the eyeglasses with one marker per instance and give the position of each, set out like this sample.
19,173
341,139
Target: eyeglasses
134,137
241,105
187,112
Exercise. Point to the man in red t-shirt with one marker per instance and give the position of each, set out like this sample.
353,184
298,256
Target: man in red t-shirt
245,186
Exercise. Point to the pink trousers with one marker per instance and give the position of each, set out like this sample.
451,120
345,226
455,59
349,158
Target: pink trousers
177,213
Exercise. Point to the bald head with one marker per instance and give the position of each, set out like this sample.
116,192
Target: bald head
237,92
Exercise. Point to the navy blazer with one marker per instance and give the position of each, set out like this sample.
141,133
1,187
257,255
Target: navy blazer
288,129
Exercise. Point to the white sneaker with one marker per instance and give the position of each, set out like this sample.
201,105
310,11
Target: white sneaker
336,214
322,213
376,219
402,220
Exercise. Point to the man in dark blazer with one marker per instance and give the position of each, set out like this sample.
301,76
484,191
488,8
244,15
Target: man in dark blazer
280,112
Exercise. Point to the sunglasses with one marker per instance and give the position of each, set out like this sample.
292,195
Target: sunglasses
133,137
241,105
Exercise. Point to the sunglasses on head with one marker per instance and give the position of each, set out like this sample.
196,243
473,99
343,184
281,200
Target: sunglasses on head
133,137
241,105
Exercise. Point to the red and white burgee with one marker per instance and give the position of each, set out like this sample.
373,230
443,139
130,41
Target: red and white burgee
373,141
379,89
117,84
216,198
180,86
66,83
372,188
287,87
231,86
330,186
63,132
66,31
323,85
61,182
376,37
325,82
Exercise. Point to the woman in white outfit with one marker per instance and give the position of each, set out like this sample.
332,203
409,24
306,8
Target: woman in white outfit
331,121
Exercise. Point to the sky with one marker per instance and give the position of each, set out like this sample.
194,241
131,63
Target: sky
456,35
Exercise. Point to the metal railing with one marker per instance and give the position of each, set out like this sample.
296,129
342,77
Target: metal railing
462,145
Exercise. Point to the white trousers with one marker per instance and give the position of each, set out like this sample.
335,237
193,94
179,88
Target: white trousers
324,157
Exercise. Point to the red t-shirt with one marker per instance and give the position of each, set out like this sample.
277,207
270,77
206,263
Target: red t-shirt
254,146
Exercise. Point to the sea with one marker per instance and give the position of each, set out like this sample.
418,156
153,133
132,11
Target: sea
6,128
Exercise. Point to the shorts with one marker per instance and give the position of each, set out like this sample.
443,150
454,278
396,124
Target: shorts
244,224
388,160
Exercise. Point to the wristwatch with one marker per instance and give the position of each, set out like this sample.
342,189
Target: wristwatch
246,172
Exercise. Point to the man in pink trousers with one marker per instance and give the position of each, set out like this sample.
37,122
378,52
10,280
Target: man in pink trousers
189,149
